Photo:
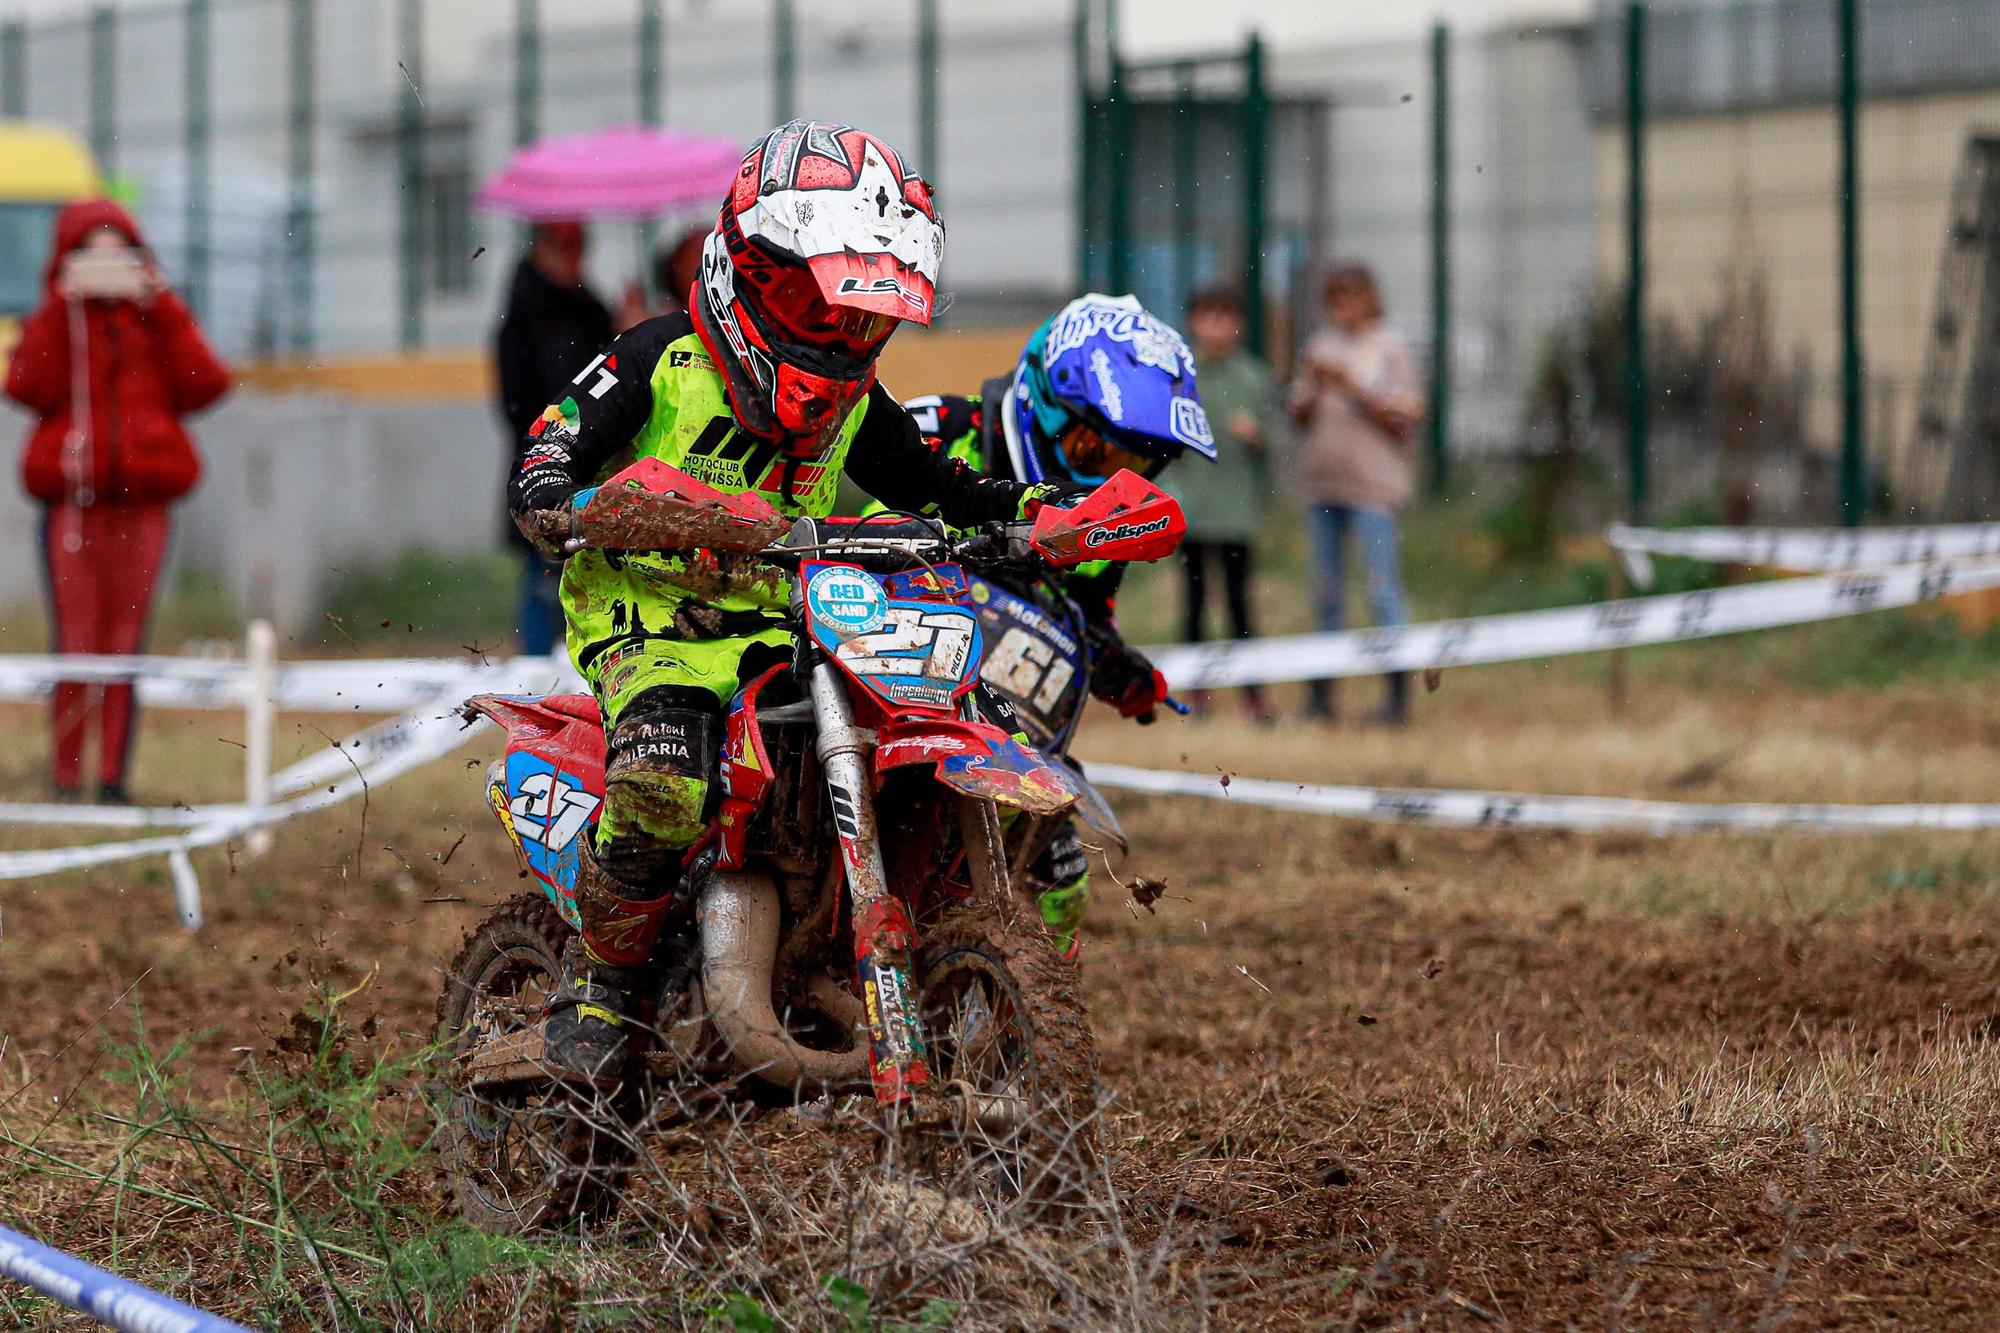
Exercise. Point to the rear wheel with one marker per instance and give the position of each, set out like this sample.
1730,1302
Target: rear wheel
531,1151
1010,1041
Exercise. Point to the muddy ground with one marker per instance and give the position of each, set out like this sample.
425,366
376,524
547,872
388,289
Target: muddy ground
1370,1076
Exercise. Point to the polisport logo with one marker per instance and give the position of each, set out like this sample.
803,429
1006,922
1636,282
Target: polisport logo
1126,531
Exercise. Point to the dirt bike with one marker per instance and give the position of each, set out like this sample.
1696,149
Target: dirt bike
861,922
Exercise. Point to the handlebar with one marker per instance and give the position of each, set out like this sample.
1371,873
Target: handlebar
993,544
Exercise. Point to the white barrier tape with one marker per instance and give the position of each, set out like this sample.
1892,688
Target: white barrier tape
375,756
365,749
116,816
1501,809
1806,550
426,739
100,1294
1573,629
361,685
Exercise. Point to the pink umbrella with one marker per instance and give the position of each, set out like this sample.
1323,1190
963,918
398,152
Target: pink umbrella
628,171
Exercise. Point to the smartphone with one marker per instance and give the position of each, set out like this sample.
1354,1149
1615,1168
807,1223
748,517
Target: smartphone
105,275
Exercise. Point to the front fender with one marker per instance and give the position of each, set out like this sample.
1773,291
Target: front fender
982,761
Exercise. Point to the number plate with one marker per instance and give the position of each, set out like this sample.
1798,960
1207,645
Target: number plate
1036,661
916,653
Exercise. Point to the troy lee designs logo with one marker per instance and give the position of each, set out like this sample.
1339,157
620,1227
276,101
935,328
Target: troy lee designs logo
1124,531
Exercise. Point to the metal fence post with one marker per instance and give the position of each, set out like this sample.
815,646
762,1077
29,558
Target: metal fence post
784,69
1853,457
652,105
302,33
14,69
929,55
104,87
652,65
1118,174
1440,406
1086,128
410,171
195,99
1256,131
527,72
1187,171
1636,410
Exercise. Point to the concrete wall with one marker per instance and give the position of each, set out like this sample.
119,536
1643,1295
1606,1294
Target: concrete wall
297,485
1754,191
1007,176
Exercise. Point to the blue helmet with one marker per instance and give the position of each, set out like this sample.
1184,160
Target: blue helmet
1103,385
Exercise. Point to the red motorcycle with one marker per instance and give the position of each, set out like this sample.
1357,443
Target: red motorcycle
861,917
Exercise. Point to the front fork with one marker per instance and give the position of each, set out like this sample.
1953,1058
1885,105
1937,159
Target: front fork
884,937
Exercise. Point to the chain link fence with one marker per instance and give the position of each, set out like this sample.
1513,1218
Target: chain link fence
306,168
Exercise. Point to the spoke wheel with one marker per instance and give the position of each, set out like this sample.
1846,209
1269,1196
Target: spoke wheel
1012,1050
533,1153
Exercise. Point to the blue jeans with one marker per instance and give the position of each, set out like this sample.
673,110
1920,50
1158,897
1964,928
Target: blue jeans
1375,529
541,615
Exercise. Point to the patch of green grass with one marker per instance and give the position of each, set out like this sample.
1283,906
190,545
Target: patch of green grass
1892,646
422,596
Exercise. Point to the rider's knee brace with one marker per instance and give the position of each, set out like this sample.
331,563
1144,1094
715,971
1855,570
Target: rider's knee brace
658,766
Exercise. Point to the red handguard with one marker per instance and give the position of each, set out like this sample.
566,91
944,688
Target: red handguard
651,506
1127,518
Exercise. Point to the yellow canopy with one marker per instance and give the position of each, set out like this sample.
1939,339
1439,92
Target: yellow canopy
42,164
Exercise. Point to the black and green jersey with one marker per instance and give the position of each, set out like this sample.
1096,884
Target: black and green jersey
655,394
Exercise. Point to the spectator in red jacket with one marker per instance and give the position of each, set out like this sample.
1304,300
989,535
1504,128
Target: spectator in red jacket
109,364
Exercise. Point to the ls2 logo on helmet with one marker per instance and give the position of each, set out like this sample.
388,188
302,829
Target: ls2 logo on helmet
847,600
1124,532
885,286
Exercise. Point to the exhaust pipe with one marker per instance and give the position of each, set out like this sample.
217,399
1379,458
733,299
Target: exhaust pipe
738,920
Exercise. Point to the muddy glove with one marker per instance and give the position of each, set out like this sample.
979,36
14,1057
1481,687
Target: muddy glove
1122,676
548,529
1061,494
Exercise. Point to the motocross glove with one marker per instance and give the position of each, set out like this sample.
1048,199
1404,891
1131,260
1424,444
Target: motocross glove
1061,494
1122,676
548,529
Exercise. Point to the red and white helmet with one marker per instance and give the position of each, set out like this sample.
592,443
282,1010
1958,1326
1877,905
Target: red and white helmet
826,242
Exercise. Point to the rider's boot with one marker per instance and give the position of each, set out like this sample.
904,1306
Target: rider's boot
588,1017
1067,867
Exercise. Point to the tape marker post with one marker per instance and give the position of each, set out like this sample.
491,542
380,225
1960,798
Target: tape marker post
109,1299
1520,636
1503,809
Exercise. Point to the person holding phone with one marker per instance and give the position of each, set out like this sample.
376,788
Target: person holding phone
1357,399
109,364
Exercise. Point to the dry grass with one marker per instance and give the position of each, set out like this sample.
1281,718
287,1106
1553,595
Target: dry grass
1360,1075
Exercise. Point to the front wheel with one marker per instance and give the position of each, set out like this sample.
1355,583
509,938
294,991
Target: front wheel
1010,1041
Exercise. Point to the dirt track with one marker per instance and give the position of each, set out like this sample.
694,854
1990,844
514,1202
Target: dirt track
1468,1079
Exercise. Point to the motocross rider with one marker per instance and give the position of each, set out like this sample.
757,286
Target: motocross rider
1103,385
827,240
